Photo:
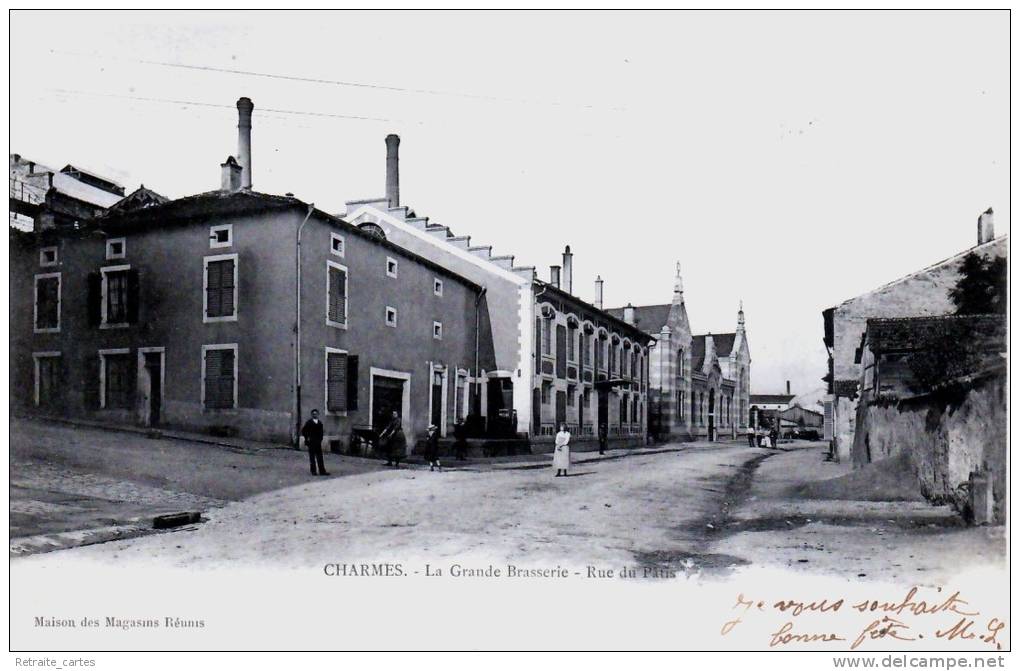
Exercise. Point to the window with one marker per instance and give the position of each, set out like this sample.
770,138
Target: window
546,393
547,337
336,380
437,330
623,409
571,344
115,379
220,288
115,296
116,249
47,303
336,295
586,349
391,266
219,377
48,378
336,244
571,391
391,316
48,257
437,287
221,236
612,358
460,393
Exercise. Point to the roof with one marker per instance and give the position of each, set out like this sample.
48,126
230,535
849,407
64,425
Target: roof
211,204
771,398
723,347
648,318
138,199
968,332
560,293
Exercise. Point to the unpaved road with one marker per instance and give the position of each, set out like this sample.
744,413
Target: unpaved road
650,510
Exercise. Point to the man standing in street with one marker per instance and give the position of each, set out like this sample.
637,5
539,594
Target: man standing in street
603,438
312,432
750,436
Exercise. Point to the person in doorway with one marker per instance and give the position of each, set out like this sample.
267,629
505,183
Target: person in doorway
561,454
750,436
603,438
312,433
394,441
459,440
432,448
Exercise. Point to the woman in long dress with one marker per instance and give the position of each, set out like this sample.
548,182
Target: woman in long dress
561,456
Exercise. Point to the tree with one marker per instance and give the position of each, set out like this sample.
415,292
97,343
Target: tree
981,288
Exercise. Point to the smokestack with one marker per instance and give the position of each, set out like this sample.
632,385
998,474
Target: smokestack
787,387
554,276
393,170
230,179
568,271
598,292
985,227
244,109
628,314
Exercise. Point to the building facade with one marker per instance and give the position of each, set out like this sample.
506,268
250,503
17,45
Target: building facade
42,197
699,384
924,293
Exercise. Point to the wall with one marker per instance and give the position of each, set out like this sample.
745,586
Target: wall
922,293
946,440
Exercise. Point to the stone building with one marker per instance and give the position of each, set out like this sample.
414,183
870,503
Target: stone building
518,394
921,294
238,312
41,197
699,384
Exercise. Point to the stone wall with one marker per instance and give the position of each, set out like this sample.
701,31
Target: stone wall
947,439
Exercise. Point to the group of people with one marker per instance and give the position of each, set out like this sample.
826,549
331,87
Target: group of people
761,437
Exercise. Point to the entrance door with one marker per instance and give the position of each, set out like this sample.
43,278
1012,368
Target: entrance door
536,411
561,408
154,375
437,399
387,398
603,408
711,414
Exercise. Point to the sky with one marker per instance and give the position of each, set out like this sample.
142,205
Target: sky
789,160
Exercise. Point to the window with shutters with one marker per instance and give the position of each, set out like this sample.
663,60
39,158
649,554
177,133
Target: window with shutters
48,378
115,296
220,301
336,380
336,295
115,379
47,303
219,377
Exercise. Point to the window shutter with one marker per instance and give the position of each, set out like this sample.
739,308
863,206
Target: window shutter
132,296
90,383
219,378
337,295
336,381
227,287
95,299
352,382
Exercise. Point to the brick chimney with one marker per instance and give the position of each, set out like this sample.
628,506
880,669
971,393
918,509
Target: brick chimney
628,314
393,170
244,110
230,171
788,388
568,270
554,276
985,227
598,292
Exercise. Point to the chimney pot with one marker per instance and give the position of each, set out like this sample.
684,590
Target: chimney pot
554,276
244,110
393,170
598,292
230,172
985,227
568,270
628,314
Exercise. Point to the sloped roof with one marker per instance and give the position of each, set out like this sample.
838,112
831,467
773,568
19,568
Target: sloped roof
723,347
648,318
138,199
771,398
724,343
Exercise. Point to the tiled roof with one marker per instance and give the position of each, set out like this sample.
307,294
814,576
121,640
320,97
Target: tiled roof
648,318
771,398
138,199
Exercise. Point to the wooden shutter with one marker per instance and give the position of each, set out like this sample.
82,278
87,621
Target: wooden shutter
220,288
337,295
538,336
213,304
219,378
336,381
561,351
132,295
352,382
95,299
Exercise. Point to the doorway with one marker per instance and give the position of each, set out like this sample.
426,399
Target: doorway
603,401
150,384
438,406
387,398
711,415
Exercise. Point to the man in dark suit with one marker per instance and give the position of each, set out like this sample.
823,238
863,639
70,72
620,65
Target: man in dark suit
312,432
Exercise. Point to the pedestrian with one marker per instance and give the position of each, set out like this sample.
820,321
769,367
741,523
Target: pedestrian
561,457
774,435
312,432
766,440
459,441
750,436
603,438
432,448
393,440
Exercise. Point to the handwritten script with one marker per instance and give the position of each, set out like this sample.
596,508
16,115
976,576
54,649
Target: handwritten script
910,618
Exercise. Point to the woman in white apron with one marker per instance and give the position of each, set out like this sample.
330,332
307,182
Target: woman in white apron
561,456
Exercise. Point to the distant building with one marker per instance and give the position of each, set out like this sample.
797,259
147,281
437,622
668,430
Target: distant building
923,293
41,197
699,384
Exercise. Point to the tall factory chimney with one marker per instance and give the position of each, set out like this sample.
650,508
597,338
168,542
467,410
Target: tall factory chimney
568,271
393,170
244,110
598,292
